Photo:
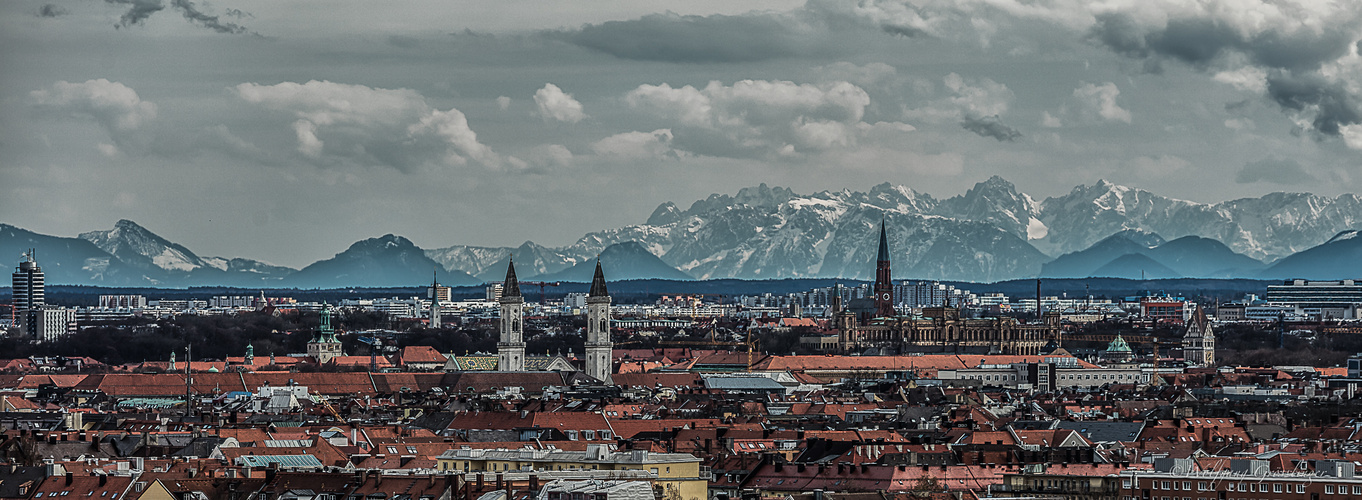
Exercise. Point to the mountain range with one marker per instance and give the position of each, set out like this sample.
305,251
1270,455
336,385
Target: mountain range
990,233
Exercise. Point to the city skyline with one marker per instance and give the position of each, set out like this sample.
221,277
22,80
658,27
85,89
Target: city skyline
234,127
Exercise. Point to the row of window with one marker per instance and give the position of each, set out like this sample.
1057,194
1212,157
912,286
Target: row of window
587,435
1241,487
1101,376
68,492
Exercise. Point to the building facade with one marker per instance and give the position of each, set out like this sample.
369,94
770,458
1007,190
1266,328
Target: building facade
937,330
324,345
1246,479
599,348
28,295
511,348
1198,344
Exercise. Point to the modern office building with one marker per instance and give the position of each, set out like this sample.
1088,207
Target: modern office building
28,295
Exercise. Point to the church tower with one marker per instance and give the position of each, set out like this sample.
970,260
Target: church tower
884,286
598,344
434,300
324,344
1198,344
511,349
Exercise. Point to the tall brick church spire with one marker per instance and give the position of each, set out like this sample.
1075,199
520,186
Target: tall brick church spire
884,285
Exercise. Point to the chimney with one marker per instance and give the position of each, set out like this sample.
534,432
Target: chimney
103,479
70,477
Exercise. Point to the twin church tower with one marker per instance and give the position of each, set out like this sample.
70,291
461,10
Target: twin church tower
511,348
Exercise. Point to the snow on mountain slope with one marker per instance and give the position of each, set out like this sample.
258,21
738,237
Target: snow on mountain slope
134,244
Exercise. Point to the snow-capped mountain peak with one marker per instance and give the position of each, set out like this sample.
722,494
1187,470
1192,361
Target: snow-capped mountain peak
135,244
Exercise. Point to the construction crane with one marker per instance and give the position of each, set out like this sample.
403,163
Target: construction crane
541,285
374,345
331,409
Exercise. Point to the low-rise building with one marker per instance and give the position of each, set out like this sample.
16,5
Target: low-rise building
674,472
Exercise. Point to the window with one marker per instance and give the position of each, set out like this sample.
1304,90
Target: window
392,449
411,449
1187,486
1300,488
1276,487
1253,488
1357,490
572,435
1328,489
654,471
1125,483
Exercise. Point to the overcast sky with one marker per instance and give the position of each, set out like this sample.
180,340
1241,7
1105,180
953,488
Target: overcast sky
284,131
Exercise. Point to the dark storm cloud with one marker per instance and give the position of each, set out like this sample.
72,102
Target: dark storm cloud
140,10
1299,50
50,10
215,23
1333,106
1202,42
691,39
990,126
819,28
1275,170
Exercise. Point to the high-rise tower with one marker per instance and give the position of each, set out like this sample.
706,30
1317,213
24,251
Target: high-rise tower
884,286
598,344
28,295
511,348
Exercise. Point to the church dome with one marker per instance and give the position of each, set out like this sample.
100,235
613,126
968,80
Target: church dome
1118,345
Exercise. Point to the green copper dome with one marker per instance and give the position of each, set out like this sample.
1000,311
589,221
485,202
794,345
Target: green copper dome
1118,345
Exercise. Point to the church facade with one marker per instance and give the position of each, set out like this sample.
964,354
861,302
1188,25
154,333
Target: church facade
937,330
511,356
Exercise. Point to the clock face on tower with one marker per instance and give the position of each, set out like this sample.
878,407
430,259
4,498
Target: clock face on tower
885,296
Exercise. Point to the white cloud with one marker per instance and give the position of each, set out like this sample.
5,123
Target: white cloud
550,155
1352,136
1100,100
113,105
553,104
343,123
1048,120
1247,78
504,103
636,145
308,143
977,105
757,117
1161,166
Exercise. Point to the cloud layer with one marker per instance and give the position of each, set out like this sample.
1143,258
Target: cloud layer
338,123
756,118
116,107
